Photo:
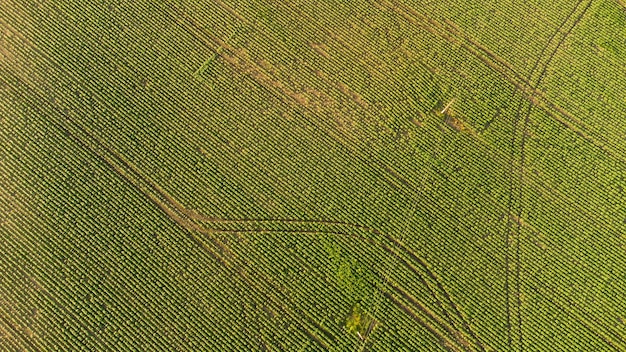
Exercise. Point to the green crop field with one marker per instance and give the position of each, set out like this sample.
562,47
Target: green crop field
299,175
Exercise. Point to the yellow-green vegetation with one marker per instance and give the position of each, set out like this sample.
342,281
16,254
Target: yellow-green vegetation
359,322
299,175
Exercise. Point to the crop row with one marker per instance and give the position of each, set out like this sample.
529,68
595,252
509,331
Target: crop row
434,232
44,261
238,269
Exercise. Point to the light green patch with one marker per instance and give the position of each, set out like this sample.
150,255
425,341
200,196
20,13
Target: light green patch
351,275
199,74
610,47
360,322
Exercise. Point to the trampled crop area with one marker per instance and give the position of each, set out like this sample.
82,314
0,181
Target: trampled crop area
395,175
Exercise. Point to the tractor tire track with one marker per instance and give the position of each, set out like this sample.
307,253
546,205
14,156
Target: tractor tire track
453,333
163,198
450,326
506,71
383,166
442,339
518,204
406,184
511,205
112,159
569,122
219,43
453,35
178,213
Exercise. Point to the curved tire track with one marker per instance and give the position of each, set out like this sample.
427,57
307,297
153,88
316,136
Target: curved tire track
519,206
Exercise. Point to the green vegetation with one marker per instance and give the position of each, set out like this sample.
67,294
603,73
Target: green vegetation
218,175
360,322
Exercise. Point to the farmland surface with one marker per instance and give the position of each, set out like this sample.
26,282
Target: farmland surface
300,175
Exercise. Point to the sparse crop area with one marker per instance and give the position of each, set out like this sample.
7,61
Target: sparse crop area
299,175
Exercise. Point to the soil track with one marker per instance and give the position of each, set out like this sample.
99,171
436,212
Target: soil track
210,227
511,203
191,218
